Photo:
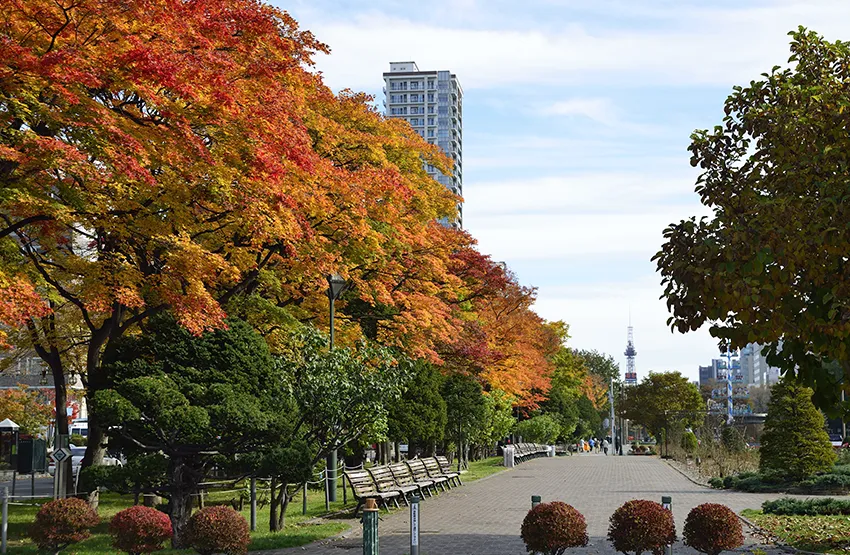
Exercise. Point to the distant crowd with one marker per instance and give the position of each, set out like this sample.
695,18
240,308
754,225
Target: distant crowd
603,446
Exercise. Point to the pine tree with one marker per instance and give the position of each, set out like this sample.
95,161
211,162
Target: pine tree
795,443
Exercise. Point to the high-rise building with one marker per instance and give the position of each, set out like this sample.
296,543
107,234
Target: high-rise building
432,102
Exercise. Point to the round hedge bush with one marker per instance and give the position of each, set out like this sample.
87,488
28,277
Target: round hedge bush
61,523
711,528
552,528
641,525
219,529
140,529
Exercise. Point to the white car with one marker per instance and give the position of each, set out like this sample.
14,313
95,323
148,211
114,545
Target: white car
77,454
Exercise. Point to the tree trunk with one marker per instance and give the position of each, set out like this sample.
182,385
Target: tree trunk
273,520
183,486
286,498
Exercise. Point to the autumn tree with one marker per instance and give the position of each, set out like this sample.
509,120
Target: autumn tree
26,408
192,161
661,400
770,262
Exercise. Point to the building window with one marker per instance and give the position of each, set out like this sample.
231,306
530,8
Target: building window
414,85
431,84
414,109
430,132
430,121
430,109
414,98
430,97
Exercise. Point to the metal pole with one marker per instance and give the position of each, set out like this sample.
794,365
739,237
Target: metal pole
344,494
667,503
330,478
370,528
843,423
254,504
304,500
414,525
535,500
729,417
5,519
611,397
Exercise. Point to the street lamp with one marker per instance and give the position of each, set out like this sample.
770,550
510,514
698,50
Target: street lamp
336,287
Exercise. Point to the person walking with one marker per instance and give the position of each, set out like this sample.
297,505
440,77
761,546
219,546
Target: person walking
592,443
618,447
605,446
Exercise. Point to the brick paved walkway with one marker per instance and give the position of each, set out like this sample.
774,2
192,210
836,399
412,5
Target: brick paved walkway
484,517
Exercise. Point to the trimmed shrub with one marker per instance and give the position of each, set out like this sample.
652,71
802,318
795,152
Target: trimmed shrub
641,525
140,529
219,530
61,523
552,528
689,443
794,442
711,528
807,507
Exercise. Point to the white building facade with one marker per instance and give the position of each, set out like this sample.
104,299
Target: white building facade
432,102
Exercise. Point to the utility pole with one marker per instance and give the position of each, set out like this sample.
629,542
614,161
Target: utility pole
730,418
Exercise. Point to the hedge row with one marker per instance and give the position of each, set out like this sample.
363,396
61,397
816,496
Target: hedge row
837,482
810,507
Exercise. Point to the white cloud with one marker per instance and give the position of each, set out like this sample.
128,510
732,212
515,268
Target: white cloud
597,109
696,46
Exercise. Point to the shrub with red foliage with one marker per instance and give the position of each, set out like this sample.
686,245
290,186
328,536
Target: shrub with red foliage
140,530
61,523
641,525
219,529
711,528
552,528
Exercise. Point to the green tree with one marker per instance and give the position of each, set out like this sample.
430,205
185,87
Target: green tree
539,429
600,364
689,443
195,400
497,421
419,416
732,439
663,400
794,443
465,410
770,263
589,420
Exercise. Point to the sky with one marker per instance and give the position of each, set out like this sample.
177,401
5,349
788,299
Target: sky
576,121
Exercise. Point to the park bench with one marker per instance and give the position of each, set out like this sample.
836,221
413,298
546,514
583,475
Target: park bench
364,487
525,451
420,473
446,467
435,471
385,482
404,479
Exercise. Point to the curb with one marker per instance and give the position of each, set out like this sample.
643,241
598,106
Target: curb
683,473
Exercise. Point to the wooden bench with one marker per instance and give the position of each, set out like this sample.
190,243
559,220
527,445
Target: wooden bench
385,483
435,471
447,469
421,474
364,488
404,479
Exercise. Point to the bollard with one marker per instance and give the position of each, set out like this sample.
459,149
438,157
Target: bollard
667,503
535,500
370,528
414,525
254,504
4,526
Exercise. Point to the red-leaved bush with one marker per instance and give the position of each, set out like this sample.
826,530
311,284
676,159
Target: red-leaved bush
140,529
641,525
61,523
552,528
219,529
712,528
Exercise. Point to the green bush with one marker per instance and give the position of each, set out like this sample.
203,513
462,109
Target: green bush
139,529
711,528
794,442
640,525
78,440
807,507
825,483
540,429
552,528
689,443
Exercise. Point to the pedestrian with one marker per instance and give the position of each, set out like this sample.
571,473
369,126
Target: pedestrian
592,444
618,446
605,446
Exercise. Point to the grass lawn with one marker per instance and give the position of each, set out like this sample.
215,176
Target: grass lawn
298,531
823,534
482,468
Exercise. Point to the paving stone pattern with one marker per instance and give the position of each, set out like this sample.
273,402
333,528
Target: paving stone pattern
484,517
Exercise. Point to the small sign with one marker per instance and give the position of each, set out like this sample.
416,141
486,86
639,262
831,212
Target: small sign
414,524
60,455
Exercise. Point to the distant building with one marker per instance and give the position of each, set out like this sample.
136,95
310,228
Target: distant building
432,102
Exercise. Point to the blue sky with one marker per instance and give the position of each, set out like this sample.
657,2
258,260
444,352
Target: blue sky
577,117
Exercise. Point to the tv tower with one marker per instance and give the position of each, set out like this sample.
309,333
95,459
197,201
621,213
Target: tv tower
631,353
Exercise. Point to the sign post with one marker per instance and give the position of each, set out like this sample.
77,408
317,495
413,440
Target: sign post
414,525
535,500
667,503
60,455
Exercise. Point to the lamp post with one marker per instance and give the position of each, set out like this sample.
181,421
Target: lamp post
336,287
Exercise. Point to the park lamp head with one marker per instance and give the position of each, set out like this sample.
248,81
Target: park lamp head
336,286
